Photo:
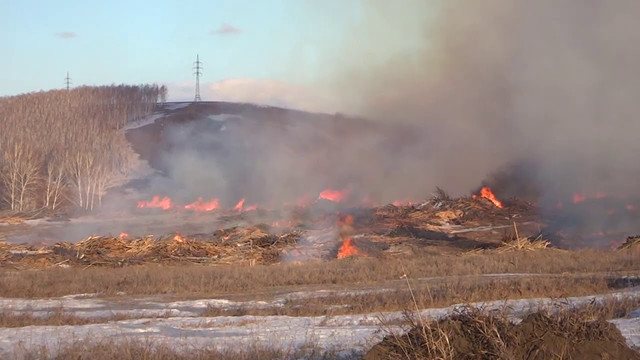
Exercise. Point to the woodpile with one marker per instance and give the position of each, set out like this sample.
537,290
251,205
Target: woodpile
524,244
251,245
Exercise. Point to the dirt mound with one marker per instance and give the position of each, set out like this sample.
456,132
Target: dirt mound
543,337
473,335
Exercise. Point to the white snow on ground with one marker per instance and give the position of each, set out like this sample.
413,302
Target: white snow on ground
222,117
144,121
92,306
176,106
346,332
155,116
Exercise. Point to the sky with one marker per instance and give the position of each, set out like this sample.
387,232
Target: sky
267,51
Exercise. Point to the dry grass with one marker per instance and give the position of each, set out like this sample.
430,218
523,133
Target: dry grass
199,281
473,333
524,244
428,296
56,318
145,350
518,243
439,295
10,320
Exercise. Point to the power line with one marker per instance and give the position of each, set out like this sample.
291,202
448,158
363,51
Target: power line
197,71
67,81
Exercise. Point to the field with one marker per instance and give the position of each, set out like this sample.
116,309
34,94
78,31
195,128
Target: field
157,273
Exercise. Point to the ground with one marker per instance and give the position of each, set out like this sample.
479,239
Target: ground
327,275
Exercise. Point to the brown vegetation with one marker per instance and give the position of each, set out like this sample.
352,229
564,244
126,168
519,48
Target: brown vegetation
56,318
395,297
145,350
474,334
197,280
236,245
65,147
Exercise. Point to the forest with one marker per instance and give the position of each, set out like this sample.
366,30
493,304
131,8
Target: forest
61,150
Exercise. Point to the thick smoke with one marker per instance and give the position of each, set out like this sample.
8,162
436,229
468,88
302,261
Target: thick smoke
538,97
495,82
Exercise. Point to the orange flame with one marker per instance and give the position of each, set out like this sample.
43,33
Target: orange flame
578,198
251,207
178,238
201,205
486,193
347,249
400,203
332,195
239,206
156,202
123,235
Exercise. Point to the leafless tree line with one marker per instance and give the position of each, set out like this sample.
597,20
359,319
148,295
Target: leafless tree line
65,148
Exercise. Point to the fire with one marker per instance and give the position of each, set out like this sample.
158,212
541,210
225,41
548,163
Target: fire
347,249
201,205
123,235
178,238
578,198
239,206
251,207
156,202
332,195
400,203
486,193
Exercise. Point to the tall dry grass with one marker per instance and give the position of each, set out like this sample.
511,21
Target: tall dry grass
199,281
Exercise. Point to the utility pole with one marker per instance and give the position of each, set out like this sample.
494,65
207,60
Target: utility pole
197,71
67,81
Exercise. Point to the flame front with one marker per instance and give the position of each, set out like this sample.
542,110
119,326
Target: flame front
347,249
332,195
239,206
156,202
486,193
201,205
578,198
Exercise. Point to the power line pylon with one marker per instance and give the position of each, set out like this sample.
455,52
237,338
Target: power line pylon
197,71
67,81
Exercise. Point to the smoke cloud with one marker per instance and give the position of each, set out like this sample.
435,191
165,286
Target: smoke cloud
496,82
536,96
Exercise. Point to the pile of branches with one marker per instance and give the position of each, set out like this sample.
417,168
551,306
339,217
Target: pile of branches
252,245
524,244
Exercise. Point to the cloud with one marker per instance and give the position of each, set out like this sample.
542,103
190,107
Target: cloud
257,91
226,29
66,35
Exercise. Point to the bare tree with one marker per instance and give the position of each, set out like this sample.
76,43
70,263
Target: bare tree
67,147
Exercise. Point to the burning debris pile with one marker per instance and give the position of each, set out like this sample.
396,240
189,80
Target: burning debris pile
250,245
320,230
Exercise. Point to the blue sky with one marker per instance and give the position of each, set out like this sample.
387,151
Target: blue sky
134,41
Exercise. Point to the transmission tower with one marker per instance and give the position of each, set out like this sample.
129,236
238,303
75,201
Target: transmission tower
197,71
67,81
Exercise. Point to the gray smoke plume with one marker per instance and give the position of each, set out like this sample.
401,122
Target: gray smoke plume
497,81
539,92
